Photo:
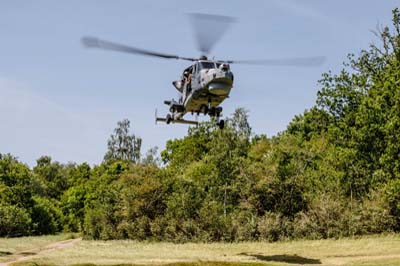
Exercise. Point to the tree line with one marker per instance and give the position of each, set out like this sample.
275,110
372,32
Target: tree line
334,172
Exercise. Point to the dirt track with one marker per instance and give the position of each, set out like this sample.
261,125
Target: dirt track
29,254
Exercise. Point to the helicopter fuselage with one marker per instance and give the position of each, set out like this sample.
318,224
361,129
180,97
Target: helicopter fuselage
203,87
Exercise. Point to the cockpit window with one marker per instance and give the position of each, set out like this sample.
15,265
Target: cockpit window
206,65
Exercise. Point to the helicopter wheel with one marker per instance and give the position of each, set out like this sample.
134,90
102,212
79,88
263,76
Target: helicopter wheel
221,124
168,119
204,109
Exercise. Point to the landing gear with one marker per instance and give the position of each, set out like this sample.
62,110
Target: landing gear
221,124
168,119
204,109
217,112
213,112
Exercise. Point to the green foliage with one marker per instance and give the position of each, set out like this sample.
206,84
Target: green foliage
16,182
46,216
311,124
72,206
393,198
273,227
244,226
14,221
78,174
52,176
98,223
326,217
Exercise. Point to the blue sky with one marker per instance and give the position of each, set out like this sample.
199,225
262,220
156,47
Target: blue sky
59,99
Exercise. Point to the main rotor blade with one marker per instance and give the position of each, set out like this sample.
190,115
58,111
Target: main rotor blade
92,42
299,61
208,29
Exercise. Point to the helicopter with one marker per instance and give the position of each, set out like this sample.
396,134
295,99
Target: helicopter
206,83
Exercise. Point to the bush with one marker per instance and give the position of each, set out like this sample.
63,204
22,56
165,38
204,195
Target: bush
244,226
214,225
14,221
92,227
274,227
100,223
139,229
375,215
188,230
46,217
72,205
325,218
393,199
158,228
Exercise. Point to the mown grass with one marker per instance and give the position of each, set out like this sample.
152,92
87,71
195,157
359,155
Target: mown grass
366,251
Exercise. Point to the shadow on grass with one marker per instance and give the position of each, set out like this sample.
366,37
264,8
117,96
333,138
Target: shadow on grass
27,253
294,259
5,253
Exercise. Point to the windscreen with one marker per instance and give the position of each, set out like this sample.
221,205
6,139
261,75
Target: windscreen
206,65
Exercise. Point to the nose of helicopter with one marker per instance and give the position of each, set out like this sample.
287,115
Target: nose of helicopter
220,87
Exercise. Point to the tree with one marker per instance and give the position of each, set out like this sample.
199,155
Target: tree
16,182
53,177
151,157
123,146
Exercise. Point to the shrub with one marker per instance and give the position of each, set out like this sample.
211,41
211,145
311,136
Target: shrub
393,199
158,228
214,224
100,224
244,226
92,227
274,227
325,218
375,215
14,221
139,229
46,217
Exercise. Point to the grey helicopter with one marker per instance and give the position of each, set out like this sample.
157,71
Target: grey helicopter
206,83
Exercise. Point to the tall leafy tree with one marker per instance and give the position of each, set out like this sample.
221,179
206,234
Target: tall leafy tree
122,145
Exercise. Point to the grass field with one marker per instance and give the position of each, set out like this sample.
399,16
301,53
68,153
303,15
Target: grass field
374,250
